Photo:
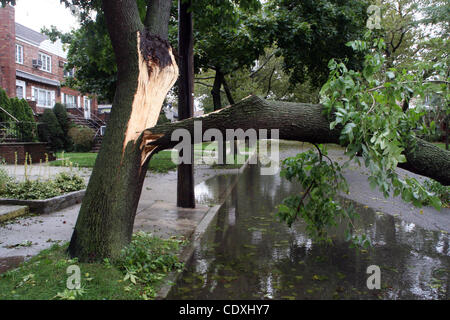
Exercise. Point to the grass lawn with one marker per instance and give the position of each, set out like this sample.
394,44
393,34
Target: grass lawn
161,162
45,277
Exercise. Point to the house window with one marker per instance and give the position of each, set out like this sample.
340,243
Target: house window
19,53
20,89
70,101
68,73
46,62
43,98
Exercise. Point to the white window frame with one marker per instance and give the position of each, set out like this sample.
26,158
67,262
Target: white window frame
46,62
19,53
68,73
87,103
20,83
72,104
49,97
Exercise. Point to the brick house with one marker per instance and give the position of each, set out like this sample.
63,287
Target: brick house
32,67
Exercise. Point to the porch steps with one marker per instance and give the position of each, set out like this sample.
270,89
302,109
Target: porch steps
81,121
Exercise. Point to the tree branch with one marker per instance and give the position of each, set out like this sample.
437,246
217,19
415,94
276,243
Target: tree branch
299,122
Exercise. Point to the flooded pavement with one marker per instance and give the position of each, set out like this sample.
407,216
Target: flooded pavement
246,253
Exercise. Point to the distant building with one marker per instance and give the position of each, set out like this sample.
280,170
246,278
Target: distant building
32,67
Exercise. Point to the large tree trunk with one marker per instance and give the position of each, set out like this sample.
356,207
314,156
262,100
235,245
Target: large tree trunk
146,72
300,122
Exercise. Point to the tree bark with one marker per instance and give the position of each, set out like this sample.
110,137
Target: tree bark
299,122
215,92
157,17
146,72
227,90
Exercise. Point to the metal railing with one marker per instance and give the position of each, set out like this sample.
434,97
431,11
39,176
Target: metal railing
18,131
9,114
94,119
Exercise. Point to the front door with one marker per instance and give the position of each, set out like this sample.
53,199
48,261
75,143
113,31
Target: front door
87,108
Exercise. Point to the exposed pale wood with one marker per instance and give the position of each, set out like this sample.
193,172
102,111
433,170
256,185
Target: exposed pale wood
154,83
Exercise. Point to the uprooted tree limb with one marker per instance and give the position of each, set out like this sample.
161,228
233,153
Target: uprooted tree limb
295,121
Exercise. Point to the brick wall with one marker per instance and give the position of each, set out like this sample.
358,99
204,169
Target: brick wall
37,150
7,50
8,64
31,52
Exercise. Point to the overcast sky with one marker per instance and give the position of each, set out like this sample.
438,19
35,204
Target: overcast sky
36,14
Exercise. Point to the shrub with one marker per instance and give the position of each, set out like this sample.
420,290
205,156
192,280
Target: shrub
6,105
22,112
61,115
41,189
82,137
51,131
4,179
67,182
29,190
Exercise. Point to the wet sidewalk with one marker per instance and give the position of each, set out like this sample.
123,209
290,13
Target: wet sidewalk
157,213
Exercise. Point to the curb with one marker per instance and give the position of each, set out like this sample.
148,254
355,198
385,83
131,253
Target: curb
48,205
187,252
14,213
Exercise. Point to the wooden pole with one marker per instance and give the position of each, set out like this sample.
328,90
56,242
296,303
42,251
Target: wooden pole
185,185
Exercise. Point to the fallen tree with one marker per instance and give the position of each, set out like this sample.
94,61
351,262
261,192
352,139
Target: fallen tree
146,71
295,121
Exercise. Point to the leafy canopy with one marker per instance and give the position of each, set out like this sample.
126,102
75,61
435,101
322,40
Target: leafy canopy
365,105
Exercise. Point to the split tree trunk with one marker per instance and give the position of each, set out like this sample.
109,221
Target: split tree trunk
146,72
300,122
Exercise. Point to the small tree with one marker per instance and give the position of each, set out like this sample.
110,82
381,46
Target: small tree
5,104
51,131
22,112
61,115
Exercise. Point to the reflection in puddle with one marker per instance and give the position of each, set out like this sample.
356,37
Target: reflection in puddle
247,254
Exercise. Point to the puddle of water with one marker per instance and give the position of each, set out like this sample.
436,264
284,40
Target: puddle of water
213,190
247,254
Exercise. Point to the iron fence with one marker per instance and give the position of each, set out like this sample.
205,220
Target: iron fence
19,131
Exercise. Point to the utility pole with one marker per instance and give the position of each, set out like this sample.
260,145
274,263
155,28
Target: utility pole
185,185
